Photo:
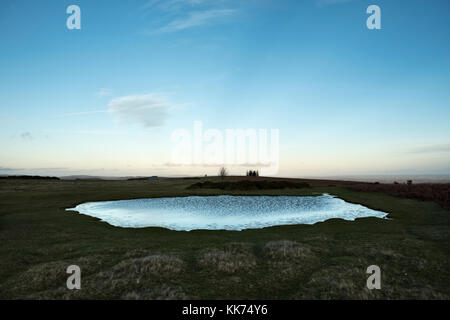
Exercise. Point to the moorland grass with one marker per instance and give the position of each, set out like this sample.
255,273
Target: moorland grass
327,260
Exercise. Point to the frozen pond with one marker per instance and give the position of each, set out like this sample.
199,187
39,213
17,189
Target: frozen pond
223,212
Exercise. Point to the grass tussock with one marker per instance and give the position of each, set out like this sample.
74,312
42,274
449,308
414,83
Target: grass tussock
43,277
235,257
289,258
285,249
148,277
162,266
163,292
50,276
337,282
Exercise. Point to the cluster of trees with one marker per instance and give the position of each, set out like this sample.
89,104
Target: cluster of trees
223,172
252,173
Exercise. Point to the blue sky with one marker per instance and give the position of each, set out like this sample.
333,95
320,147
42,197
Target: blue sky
346,99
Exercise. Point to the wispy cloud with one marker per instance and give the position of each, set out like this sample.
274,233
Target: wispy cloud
178,15
27,136
431,149
206,165
194,19
86,132
181,5
323,3
82,113
104,92
149,110
13,170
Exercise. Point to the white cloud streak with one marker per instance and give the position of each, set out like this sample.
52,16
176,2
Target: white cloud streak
104,92
27,136
194,19
323,3
440,148
178,15
148,110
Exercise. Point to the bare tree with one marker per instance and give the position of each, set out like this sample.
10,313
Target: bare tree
223,172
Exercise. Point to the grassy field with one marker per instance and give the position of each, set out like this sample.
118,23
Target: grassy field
328,260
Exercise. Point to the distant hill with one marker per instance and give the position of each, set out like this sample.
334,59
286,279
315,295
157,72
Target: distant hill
87,177
28,177
402,178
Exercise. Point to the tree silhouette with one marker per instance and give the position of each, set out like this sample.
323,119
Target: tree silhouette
223,172
252,173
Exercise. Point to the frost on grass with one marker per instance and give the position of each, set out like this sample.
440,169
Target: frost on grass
233,258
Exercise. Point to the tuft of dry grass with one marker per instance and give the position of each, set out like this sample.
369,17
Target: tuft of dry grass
349,283
233,258
52,275
148,277
43,276
289,258
161,266
338,282
285,249
163,292
137,253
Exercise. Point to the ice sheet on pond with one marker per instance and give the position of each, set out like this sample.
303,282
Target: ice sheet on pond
224,212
